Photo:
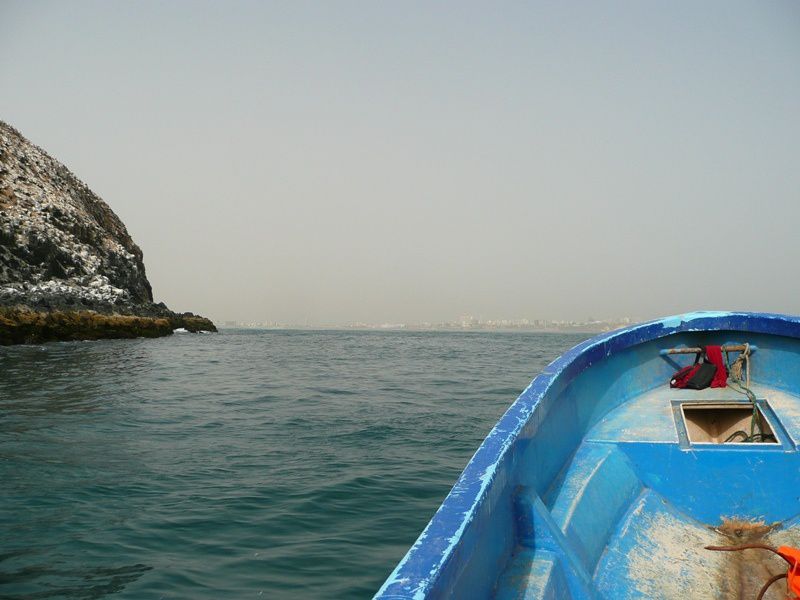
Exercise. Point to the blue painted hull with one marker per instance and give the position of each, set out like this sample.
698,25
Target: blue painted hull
587,488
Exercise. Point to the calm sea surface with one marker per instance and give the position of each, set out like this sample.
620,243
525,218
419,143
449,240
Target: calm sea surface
275,464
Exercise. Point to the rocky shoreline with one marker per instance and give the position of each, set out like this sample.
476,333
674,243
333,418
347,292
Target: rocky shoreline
26,326
69,270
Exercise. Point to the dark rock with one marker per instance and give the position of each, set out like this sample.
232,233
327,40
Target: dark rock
64,251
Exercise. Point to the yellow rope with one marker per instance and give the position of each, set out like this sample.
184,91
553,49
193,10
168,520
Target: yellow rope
740,363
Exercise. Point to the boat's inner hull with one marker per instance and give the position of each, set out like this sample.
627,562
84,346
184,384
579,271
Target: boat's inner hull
631,512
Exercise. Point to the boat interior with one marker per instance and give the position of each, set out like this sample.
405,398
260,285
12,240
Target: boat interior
603,482
618,482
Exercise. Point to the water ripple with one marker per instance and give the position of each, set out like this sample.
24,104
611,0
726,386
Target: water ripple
245,464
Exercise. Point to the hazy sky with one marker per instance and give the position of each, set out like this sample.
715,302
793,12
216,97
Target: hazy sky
344,161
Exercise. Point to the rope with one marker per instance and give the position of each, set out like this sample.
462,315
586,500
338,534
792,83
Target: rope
753,437
746,547
742,363
735,369
770,581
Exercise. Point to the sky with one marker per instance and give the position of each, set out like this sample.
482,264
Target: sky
332,162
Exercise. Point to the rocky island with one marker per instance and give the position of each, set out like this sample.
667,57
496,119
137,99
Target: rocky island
69,270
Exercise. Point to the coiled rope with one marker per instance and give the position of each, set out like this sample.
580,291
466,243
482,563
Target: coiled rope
735,369
739,367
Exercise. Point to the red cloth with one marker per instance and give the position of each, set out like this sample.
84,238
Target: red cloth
714,355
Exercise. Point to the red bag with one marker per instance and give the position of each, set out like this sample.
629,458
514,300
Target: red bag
700,376
681,378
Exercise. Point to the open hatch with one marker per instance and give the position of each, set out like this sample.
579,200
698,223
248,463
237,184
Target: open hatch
726,423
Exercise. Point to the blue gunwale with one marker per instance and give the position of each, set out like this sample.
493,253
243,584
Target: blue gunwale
420,569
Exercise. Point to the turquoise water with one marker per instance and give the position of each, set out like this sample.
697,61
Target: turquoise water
274,464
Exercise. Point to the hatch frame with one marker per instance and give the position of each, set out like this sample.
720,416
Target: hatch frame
783,444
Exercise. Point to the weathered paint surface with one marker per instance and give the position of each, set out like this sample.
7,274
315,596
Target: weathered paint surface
586,466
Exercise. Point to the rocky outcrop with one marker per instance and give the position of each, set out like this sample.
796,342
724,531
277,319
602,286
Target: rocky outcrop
63,251
20,325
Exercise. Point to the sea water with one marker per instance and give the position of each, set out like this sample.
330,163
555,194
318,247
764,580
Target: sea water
245,464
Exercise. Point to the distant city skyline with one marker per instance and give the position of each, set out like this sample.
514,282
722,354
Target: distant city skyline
463,323
395,163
